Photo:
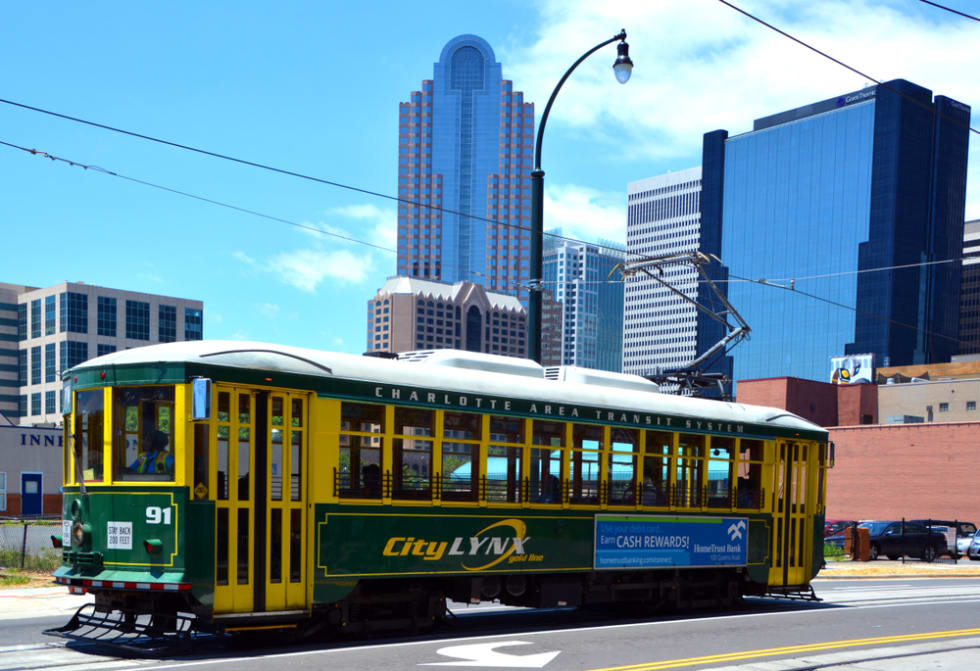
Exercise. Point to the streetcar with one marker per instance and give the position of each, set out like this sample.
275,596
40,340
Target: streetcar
227,486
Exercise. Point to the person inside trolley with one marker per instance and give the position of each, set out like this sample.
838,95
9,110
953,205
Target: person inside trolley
155,456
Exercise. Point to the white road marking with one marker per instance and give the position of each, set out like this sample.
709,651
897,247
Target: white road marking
484,654
528,634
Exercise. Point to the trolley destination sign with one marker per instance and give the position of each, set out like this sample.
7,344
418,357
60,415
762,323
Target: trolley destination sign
657,541
559,411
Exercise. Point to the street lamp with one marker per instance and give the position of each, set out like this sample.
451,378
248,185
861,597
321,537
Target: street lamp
623,67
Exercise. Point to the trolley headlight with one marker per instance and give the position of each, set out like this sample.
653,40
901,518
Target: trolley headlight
75,509
81,535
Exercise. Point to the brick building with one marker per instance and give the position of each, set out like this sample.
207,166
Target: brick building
883,471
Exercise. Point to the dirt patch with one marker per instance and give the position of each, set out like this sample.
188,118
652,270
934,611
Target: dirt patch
884,569
35,578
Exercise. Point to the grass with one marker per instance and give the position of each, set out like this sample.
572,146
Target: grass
832,552
13,578
46,560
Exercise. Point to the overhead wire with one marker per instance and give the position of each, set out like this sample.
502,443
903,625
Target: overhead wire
950,9
315,229
187,194
505,223
849,67
293,173
794,289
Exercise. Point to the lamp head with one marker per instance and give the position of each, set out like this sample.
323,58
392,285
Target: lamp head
623,67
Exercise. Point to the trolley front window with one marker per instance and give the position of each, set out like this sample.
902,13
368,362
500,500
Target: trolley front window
143,433
89,418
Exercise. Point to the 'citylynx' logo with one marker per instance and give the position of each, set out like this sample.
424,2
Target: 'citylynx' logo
497,548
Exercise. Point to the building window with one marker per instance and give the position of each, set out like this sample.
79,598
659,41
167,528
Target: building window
50,315
168,323
193,324
104,349
944,407
36,404
50,367
971,406
35,365
22,405
74,312
107,316
36,318
77,353
50,405
138,320
22,367
22,321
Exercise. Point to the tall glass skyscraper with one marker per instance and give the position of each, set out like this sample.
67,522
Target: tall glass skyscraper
591,302
465,145
818,199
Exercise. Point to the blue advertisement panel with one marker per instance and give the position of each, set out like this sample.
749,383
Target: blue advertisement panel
651,541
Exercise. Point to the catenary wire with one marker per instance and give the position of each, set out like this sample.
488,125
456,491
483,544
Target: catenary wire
299,175
315,229
204,199
950,9
851,68
763,282
874,315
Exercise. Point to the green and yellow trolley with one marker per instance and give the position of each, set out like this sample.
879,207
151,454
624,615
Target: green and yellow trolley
227,486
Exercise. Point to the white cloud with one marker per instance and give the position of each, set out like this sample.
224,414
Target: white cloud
369,223
270,310
243,257
305,269
585,213
702,66
330,258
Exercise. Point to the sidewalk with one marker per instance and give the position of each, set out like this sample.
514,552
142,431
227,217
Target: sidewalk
881,568
20,604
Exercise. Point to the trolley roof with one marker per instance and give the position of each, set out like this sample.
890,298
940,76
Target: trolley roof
455,371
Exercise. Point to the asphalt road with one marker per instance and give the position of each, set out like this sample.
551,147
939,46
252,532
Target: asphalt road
565,639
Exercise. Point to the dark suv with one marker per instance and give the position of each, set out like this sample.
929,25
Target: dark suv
897,539
964,533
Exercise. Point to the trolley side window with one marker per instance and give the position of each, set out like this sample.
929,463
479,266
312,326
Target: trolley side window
721,460
657,465
89,419
462,432
504,457
360,467
584,463
412,456
548,440
143,433
751,454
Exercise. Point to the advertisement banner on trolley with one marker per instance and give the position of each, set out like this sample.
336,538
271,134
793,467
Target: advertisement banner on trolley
666,541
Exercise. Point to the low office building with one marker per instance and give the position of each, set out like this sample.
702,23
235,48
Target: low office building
884,470
410,314
44,331
30,471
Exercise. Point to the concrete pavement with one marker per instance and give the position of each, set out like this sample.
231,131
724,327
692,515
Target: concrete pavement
950,654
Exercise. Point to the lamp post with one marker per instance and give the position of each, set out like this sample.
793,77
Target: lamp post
623,67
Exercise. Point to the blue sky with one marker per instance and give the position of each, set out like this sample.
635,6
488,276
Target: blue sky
314,87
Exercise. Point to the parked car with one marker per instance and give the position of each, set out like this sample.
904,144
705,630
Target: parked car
832,527
964,532
973,552
894,540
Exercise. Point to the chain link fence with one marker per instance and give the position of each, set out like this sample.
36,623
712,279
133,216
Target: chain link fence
26,544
